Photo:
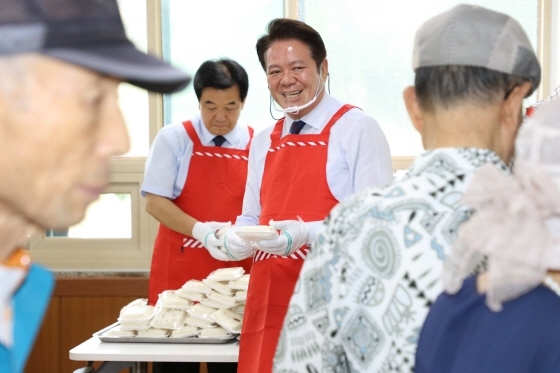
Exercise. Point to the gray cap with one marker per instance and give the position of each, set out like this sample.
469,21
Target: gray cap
87,33
475,36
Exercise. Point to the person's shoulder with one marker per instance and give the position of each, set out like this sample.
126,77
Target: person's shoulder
353,119
242,126
175,131
547,300
172,128
354,112
370,197
384,202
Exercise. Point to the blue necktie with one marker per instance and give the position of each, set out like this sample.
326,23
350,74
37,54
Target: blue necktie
296,127
219,140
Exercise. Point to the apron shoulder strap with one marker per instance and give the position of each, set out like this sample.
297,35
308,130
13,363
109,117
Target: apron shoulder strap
192,133
251,132
277,131
340,112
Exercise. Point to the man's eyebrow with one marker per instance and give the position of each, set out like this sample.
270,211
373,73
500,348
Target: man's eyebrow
291,63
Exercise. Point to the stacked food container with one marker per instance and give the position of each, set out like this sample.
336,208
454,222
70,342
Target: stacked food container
210,309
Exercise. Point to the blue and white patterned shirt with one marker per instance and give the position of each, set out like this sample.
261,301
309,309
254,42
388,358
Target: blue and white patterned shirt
374,270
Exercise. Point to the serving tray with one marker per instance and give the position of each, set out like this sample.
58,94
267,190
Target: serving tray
116,339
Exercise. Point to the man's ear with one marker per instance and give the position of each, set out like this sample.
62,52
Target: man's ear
413,108
512,105
325,69
511,119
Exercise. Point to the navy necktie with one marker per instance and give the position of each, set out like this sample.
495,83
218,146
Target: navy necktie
219,140
296,127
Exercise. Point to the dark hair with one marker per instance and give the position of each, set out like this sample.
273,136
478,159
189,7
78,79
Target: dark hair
449,85
221,74
284,29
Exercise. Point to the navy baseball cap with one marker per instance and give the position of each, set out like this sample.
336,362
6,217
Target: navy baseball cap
87,33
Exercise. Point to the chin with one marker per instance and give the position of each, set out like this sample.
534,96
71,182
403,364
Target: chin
65,218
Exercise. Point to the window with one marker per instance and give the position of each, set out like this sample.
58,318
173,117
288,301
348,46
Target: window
369,48
189,40
111,236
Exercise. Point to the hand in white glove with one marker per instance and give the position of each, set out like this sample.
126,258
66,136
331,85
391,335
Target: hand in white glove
236,247
206,234
294,234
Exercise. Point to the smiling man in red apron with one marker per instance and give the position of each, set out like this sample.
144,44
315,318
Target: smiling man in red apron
299,168
195,177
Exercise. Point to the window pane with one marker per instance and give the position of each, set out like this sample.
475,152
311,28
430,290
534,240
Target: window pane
108,217
369,48
195,31
134,101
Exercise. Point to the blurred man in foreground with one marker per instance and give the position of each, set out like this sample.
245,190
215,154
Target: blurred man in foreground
61,62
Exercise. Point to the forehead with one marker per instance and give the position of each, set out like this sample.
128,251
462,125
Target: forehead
46,71
287,51
39,75
220,96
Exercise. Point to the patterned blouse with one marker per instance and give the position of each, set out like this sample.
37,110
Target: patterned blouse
374,270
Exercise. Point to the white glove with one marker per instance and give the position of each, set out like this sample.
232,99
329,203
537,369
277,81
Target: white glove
294,234
206,234
236,247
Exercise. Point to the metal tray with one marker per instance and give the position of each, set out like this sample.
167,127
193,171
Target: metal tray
112,339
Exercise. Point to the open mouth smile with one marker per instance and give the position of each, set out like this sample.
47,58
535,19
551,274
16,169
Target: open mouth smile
292,95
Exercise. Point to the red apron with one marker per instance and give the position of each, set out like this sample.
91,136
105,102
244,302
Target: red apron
294,184
213,191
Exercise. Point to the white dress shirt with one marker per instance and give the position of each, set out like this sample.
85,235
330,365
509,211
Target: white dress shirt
167,164
358,155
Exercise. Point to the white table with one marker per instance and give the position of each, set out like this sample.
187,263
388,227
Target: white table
136,355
